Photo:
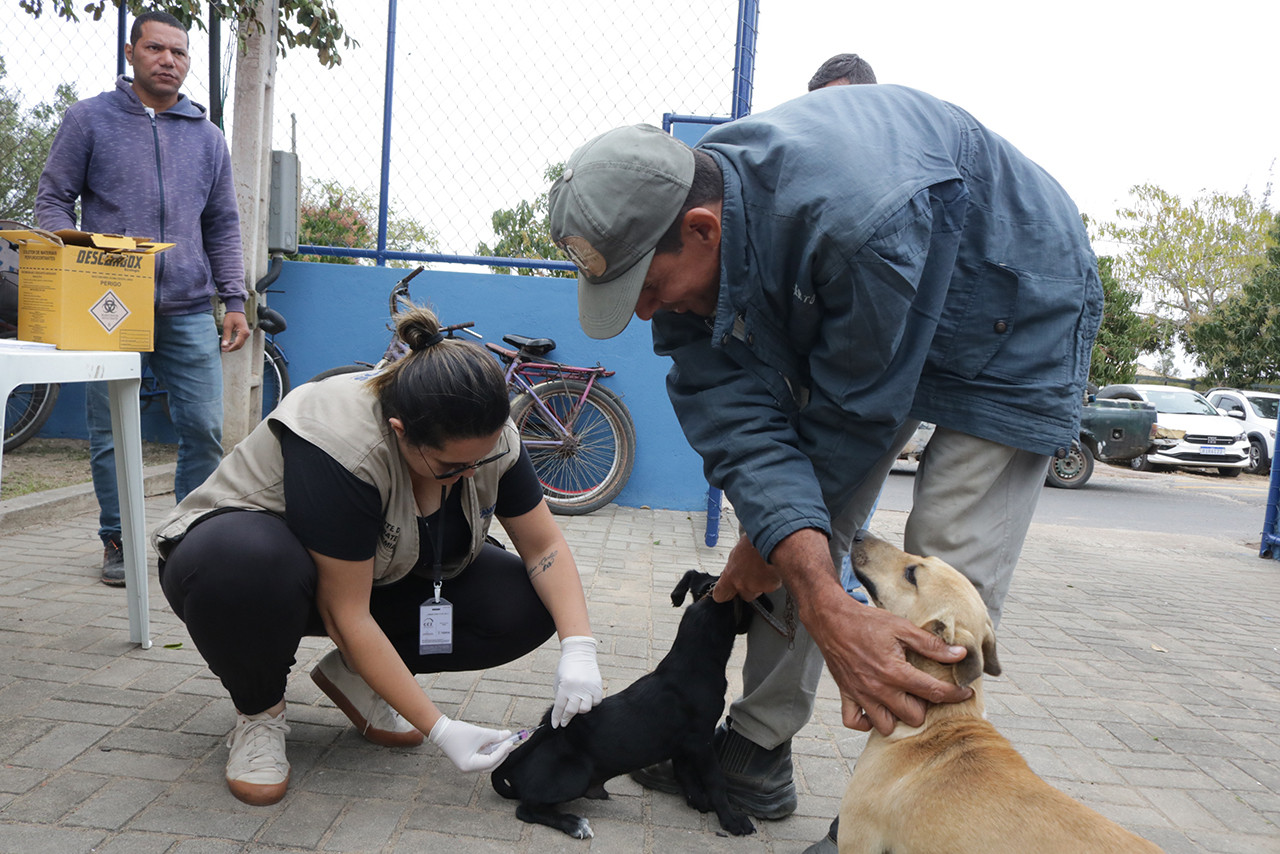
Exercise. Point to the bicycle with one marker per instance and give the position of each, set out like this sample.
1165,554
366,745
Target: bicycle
579,433
27,407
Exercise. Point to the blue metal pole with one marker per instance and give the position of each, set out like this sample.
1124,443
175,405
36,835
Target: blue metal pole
744,72
713,516
744,63
670,119
121,39
385,180
1270,541
436,257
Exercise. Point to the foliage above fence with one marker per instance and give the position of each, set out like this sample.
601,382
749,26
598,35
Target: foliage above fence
25,137
303,23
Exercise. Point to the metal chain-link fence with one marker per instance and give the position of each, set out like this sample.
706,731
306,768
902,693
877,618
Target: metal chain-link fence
488,96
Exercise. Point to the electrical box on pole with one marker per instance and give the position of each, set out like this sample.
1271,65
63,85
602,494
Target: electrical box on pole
284,214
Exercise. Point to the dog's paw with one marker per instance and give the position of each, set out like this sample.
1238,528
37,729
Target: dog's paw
698,800
584,831
738,824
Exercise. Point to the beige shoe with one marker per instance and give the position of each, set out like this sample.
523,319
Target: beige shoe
372,716
257,770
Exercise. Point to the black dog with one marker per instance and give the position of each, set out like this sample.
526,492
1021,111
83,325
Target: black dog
670,713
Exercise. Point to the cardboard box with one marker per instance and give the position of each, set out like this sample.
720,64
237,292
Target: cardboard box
81,291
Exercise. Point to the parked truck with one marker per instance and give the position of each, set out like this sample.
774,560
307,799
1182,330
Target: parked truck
1111,431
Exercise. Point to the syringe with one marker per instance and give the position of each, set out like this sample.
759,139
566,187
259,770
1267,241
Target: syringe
514,739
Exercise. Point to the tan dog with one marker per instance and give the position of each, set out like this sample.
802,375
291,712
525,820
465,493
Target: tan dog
955,784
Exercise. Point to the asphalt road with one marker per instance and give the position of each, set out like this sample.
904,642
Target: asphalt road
1121,499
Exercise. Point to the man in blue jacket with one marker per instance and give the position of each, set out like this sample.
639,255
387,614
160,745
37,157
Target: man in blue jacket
144,161
824,276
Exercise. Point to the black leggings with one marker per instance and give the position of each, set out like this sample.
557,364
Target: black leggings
246,589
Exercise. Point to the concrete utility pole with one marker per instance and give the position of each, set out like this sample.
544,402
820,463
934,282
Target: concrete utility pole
251,165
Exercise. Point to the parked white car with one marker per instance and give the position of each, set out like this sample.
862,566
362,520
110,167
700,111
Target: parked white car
1211,440
1257,410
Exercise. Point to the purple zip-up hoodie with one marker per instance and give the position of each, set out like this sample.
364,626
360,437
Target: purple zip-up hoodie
166,177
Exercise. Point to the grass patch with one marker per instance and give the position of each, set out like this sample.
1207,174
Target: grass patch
42,464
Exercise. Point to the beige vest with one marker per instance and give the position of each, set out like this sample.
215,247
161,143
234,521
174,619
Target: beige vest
341,417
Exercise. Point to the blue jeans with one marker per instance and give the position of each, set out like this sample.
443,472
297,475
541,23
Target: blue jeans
187,361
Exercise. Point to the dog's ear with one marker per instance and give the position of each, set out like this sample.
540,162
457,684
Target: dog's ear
990,664
682,587
694,583
970,668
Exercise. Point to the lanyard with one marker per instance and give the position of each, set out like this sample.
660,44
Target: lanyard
437,538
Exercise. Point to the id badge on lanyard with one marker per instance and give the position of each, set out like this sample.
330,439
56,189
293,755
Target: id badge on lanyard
435,616
435,625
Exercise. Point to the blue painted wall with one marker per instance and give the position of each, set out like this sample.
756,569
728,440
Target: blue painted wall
337,314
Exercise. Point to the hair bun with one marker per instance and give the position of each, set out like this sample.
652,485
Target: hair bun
419,328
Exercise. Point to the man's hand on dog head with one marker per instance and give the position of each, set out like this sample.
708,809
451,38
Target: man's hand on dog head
865,649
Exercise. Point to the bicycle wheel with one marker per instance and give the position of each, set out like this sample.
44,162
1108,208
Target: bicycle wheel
586,469
341,369
26,410
275,377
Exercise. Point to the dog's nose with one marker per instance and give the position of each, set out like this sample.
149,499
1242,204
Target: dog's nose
861,535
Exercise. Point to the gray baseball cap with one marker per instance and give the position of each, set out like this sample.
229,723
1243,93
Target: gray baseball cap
618,195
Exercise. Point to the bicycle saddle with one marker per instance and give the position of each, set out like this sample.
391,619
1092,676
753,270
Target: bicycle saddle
532,346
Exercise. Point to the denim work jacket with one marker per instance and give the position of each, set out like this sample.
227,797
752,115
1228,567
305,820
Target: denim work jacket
883,257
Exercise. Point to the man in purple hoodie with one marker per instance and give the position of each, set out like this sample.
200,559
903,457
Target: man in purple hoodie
144,161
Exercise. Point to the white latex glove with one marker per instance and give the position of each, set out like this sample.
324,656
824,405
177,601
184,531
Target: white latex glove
579,687
463,742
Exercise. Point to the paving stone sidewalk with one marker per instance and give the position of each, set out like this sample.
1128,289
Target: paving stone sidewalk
1142,676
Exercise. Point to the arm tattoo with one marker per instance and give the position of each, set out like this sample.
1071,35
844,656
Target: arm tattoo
544,564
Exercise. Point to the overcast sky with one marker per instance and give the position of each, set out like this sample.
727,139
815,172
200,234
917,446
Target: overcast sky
1104,94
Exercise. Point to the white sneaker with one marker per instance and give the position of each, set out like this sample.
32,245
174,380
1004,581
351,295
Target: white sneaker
372,716
257,770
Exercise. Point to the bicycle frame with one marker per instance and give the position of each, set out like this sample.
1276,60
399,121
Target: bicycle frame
578,433
522,374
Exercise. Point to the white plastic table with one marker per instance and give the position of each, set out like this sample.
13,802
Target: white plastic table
25,362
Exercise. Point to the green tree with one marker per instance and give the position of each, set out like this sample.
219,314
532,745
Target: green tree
1124,334
335,215
303,23
25,137
1189,257
525,232
1239,341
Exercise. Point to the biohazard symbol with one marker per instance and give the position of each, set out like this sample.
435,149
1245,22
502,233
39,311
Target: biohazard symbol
109,311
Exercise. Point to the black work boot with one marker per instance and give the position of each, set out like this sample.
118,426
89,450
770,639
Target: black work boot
112,563
827,844
758,781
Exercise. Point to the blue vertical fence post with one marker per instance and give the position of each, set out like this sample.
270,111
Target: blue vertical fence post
744,72
385,179
121,38
1270,540
744,63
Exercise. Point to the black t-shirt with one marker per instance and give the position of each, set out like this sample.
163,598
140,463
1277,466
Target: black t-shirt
334,513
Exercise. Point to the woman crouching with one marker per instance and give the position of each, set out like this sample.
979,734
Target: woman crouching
359,510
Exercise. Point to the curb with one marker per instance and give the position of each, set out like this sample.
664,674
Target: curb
37,507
